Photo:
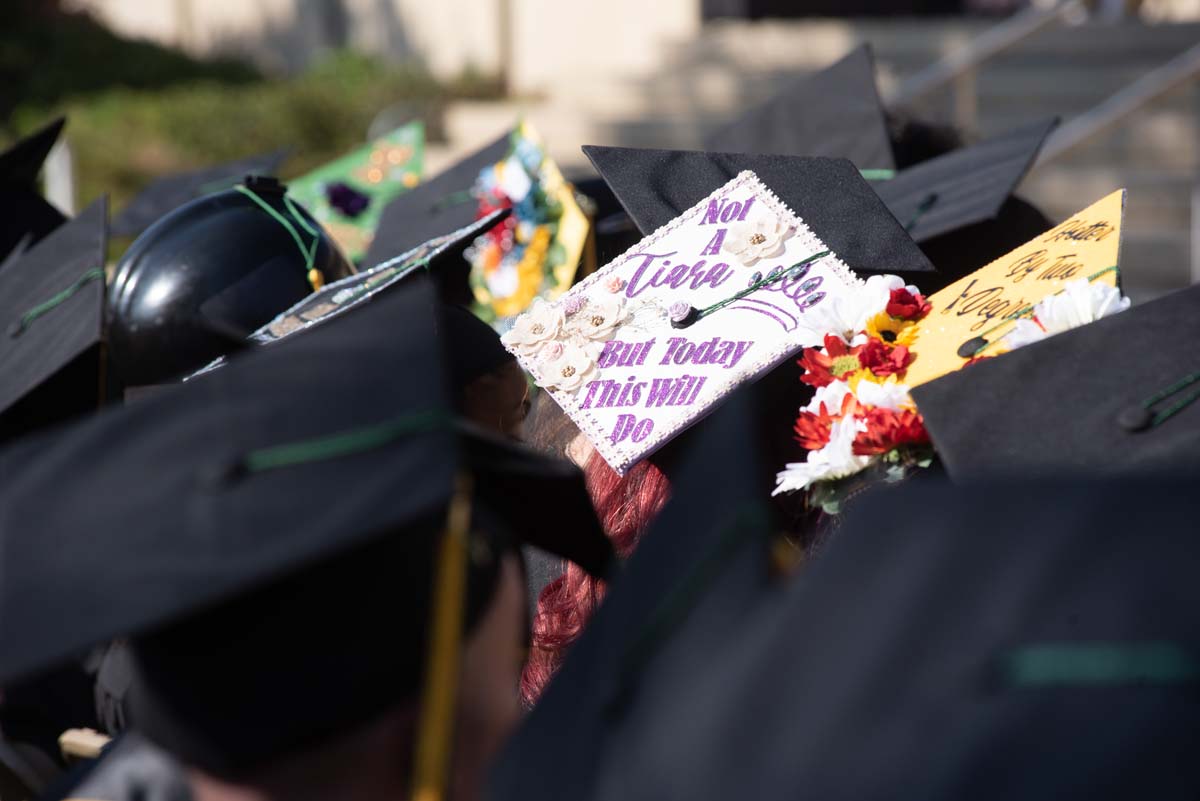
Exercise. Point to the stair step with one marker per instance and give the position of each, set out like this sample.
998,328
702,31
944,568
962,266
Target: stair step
1153,263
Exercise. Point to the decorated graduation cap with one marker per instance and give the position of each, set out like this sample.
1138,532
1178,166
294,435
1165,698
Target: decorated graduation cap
52,327
207,275
532,253
960,205
167,193
835,112
862,425
1063,413
649,344
1032,640
439,258
696,585
829,195
348,195
319,491
24,214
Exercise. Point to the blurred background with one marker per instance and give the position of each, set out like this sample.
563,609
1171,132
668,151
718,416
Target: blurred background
153,87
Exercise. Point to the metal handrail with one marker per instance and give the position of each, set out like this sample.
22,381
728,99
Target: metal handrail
1000,37
1154,84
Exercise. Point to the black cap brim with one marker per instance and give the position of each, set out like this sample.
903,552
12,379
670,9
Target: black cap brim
835,112
51,316
211,488
1058,405
965,186
169,192
437,205
830,195
21,163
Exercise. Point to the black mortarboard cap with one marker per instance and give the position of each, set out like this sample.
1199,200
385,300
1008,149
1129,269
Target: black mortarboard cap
439,258
833,199
24,213
693,586
1083,401
1027,640
165,194
835,112
964,186
441,204
310,470
22,162
615,233
52,327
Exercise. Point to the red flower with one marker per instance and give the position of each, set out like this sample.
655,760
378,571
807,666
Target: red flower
888,430
882,359
907,306
821,369
812,428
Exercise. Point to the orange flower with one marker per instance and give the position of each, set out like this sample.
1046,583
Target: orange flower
838,360
812,428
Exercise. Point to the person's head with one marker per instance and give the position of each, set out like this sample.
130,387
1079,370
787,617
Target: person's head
915,140
311,688
489,387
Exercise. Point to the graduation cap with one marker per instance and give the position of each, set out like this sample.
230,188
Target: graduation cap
440,258
314,477
165,194
656,186
835,112
24,213
694,586
533,253
52,327
614,231
959,206
1030,640
1116,396
440,204
348,195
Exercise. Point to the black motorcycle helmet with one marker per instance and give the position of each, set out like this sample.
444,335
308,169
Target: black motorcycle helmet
210,273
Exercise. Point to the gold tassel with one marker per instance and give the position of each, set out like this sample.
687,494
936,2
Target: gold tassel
435,728
316,279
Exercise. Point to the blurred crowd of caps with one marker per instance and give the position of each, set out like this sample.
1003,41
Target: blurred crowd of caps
218,254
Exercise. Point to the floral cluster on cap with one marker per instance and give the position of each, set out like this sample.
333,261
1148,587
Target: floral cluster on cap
861,415
511,263
563,340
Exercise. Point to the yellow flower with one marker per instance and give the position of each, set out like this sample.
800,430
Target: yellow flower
887,328
530,274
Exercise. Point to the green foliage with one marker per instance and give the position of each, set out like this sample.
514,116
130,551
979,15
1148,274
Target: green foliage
123,137
47,56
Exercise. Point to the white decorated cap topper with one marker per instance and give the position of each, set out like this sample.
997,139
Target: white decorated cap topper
653,340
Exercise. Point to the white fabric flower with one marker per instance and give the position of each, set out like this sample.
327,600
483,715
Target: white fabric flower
888,395
835,460
541,324
504,280
760,237
1080,302
569,371
1024,332
846,315
600,318
832,395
